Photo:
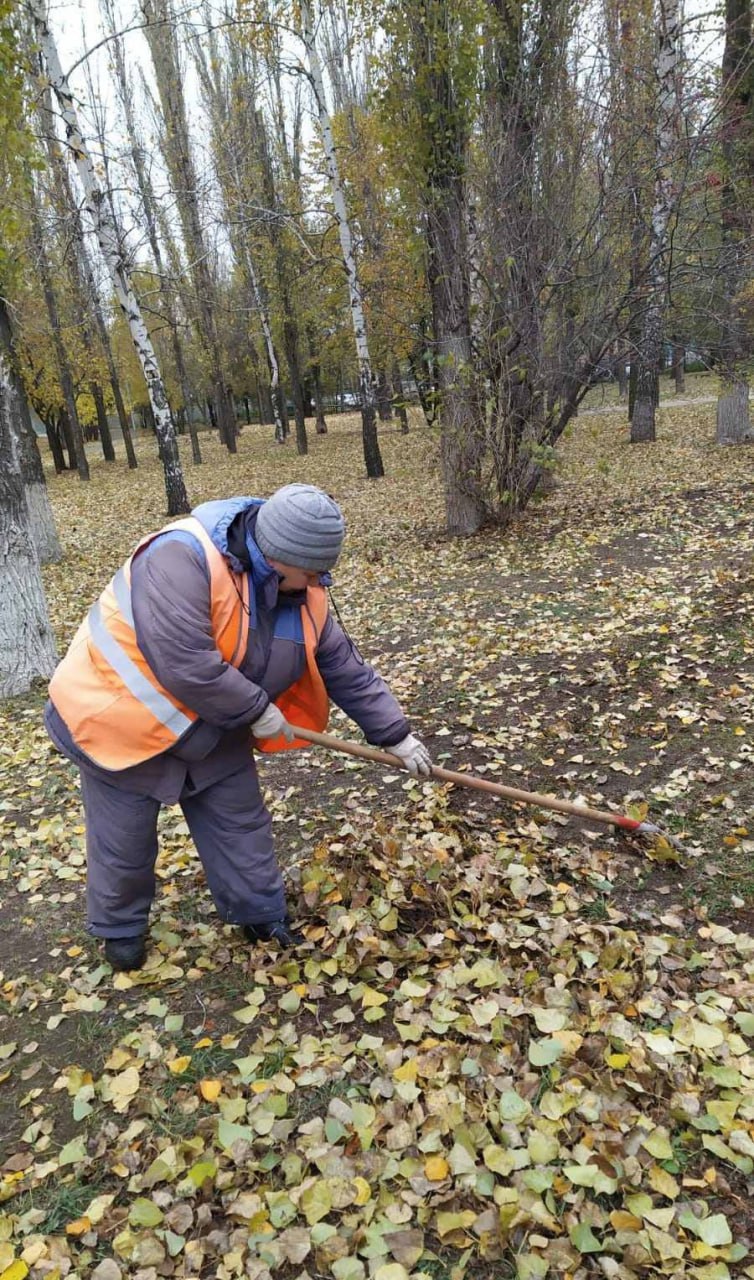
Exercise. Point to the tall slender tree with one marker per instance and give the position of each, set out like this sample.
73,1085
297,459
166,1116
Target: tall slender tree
107,235
27,645
160,32
664,207
148,206
65,373
737,222
372,455
41,520
229,93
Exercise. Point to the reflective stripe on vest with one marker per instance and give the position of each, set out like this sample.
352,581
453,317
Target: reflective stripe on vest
122,592
137,684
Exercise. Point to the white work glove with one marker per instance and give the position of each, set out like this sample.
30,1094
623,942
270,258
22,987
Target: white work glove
414,755
271,724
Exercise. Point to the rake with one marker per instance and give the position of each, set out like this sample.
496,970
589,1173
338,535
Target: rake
586,812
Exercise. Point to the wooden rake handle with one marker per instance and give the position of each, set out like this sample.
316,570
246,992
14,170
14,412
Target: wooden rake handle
346,747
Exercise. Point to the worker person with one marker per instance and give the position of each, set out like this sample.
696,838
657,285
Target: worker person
216,630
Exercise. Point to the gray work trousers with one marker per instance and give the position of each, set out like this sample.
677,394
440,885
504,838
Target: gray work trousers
230,827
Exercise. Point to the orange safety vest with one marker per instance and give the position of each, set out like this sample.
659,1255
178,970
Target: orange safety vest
116,710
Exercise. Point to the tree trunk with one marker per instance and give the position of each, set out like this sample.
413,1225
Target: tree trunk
76,438
27,645
663,210
384,397
103,425
52,430
319,407
643,418
400,403
622,376
79,268
159,31
733,420
109,242
678,368
30,466
372,456
444,196
291,345
104,337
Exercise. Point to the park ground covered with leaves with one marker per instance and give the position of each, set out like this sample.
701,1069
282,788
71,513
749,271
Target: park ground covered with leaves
514,1044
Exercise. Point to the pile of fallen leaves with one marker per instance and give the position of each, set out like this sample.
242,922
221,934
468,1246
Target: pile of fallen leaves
511,1045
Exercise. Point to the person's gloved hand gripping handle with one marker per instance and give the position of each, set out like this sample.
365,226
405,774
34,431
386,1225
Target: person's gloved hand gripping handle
414,755
271,724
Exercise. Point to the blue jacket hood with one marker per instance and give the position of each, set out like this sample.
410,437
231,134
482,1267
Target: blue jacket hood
216,518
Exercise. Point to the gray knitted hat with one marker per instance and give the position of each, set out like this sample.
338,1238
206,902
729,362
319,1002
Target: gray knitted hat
300,525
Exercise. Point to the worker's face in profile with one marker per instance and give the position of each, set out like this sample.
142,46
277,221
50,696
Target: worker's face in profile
293,579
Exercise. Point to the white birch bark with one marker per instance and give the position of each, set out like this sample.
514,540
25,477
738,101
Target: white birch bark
663,209
107,237
366,381
27,645
25,454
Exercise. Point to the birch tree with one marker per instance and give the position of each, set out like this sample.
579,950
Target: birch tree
372,455
67,214
91,299
25,451
97,208
148,205
27,645
667,61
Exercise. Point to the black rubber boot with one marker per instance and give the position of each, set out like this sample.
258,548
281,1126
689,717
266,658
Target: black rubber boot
274,931
126,953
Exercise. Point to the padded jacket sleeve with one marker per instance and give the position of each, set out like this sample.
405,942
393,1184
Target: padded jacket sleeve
357,689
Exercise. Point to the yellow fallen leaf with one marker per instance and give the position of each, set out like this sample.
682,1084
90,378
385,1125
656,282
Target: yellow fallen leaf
617,1060
371,999
16,1271
122,1089
663,1182
178,1065
210,1089
363,1190
118,1058
78,1227
407,1071
98,1207
436,1168
204,1043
